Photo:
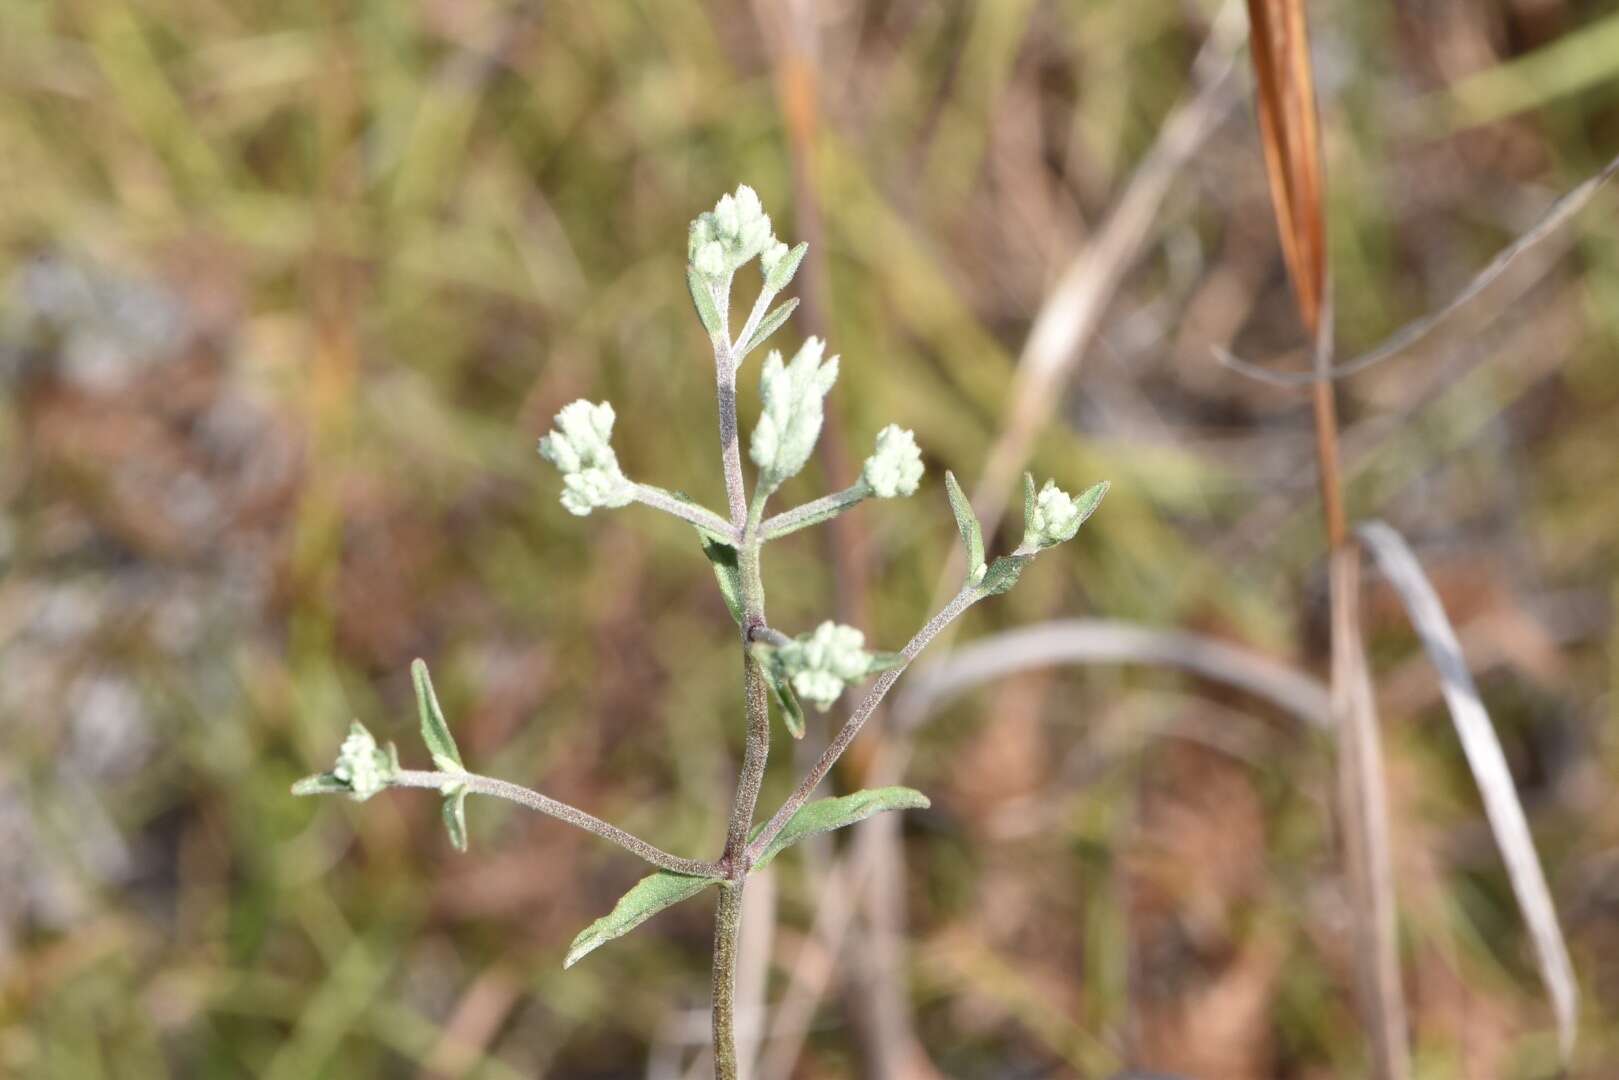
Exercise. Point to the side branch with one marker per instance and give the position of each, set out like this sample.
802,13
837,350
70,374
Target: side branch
501,789
700,516
813,513
966,598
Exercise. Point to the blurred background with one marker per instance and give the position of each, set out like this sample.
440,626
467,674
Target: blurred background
289,290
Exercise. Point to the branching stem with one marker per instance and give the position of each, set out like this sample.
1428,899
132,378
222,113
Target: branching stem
966,598
502,789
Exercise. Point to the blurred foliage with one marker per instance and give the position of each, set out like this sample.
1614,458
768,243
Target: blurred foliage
290,289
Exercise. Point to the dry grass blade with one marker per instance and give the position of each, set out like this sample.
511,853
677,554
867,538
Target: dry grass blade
1363,819
1413,332
1489,766
1288,129
1291,136
1108,641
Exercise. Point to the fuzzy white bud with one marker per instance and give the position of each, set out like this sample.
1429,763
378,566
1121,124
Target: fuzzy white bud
362,765
725,238
790,422
823,663
896,466
1057,516
581,448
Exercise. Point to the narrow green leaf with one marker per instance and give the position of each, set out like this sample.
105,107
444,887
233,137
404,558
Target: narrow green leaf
455,815
824,815
727,567
767,326
883,661
782,273
1004,572
967,524
781,688
1088,500
1028,502
649,896
727,571
321,784
435,732
703,300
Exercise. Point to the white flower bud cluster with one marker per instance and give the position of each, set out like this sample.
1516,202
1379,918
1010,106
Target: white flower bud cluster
580,447
790,422
735,231
822,663
896,466
362,765
1058,515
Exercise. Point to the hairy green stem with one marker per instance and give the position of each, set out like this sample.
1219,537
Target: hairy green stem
727,931
756,751
502,789
813,513
700,516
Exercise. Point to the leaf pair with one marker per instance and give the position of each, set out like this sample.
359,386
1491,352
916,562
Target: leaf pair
441,744
664,889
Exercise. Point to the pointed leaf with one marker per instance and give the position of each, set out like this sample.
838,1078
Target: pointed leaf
780,275
884,661
1088,500
455,815
767,326
972,536
703,300
781,688
1004,572
727,567
649,896
1028,501
321,784
824,815
727,571
435,732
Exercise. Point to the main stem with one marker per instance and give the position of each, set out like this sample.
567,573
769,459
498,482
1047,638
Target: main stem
756,752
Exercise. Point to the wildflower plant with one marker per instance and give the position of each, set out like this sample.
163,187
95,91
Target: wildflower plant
777,668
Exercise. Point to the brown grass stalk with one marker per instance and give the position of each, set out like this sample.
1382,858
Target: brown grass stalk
1291,137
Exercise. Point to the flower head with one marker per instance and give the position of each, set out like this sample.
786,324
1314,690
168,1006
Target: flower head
822,663
362,765
1056,516
790,421
725,238
580,447
895,468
